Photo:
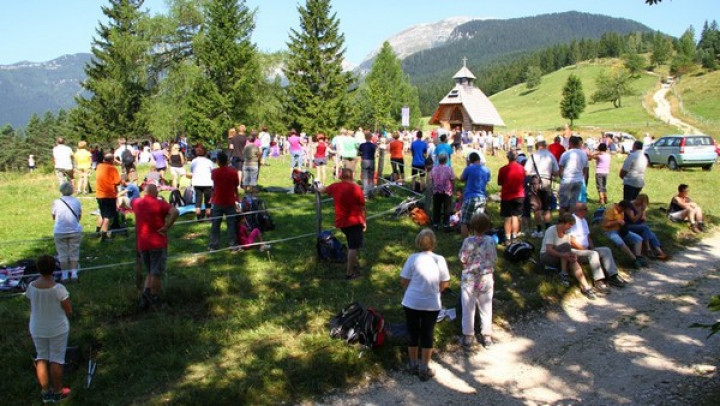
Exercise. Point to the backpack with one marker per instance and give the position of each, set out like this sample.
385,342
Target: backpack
598,215
301,181
127,157
356,323
258,217
189,195
405,207
419,216
520,251
176,199
329,248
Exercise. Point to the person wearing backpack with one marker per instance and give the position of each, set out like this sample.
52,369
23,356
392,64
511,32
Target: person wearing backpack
423,277
124,155
349,216
478,255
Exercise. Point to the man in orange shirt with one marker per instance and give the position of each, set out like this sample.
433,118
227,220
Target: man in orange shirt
107,179
396,158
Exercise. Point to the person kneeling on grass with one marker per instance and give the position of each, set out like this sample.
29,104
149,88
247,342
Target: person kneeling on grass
614,227
49,327
556,251
600,259
478,256
424,276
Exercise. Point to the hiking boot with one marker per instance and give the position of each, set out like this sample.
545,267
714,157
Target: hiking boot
588,293
64,394
425,373
564,279
602,287
412,369
617,281
700,226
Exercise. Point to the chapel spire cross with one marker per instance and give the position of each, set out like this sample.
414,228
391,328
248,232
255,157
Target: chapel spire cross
464,62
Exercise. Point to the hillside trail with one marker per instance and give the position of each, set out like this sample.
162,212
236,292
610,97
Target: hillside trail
664,113
631,347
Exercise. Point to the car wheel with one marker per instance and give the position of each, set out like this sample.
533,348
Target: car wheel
707,167
647,157
672,164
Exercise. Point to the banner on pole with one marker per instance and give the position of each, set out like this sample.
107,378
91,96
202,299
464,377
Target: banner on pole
406,116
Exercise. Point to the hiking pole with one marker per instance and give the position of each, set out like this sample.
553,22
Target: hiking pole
91,371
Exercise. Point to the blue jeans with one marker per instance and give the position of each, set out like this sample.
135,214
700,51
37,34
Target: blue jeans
646,233
368,174
631,238
231,218
296,159
265,153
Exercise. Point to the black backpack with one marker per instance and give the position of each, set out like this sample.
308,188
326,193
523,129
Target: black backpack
357,324
189,195
176,199
520,251
127,157
302,181
329,248
258,216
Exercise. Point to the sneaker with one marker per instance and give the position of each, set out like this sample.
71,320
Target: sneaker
663,257
694,228
47,397
643,262
602,287
589,294
564,279
265,247
700,226
519,234
64,394
426,373
637,264
467,342
412,369
487,341
617,281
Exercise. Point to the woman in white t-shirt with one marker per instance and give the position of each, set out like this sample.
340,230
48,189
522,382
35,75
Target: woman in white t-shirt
67,211
424,276
201,174
49,328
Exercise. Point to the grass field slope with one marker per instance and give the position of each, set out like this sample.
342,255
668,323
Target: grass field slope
539,108
698,101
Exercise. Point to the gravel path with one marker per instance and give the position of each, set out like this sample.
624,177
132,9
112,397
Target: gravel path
631,347
664,113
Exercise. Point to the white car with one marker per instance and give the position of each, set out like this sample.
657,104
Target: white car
623,141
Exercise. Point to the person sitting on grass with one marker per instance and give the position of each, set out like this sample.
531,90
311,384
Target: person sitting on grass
423,277
49,327
247,235
615,229
635,220
601,261
556,252
478,255
682,208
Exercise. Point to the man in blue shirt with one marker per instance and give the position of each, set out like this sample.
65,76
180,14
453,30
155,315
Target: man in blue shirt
443,148
419,152
476,177
367,152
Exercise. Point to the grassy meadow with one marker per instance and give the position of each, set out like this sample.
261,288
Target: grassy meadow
700,94
251,327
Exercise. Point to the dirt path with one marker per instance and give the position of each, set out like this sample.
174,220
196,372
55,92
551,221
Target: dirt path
631,347
664,113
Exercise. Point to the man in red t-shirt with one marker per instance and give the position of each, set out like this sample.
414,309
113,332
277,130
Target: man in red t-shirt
349,216
556,148
153,218
225,185
396,158
511,179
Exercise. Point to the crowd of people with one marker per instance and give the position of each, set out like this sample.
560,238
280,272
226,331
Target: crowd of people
534,182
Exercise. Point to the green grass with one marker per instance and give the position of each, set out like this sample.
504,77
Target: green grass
700,94
539,109
252,328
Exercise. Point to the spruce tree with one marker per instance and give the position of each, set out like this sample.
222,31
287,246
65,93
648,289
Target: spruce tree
387,90
533,77
573,101
116,75
229,68
662,49
317,98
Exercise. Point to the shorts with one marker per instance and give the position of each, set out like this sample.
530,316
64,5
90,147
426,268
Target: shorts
569,194
470,207
349,163
630,238
108,209
417,170
677,215
177,171
237,163
250,175
68,246
354,235
398,166
541,200
320,161
511,208
155,261
51,349
203,193
601,182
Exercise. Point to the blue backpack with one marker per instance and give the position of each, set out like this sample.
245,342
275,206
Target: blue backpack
329,248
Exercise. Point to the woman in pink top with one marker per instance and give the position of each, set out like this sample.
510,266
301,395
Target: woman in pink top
602,168
296,150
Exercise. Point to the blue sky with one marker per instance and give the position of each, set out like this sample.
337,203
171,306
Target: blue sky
40,30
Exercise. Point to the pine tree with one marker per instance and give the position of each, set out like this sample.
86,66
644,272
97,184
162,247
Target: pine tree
317,98
386,91
227,58
662,49
533,77
117,75
573,101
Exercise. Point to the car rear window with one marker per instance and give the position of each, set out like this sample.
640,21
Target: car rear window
699,141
